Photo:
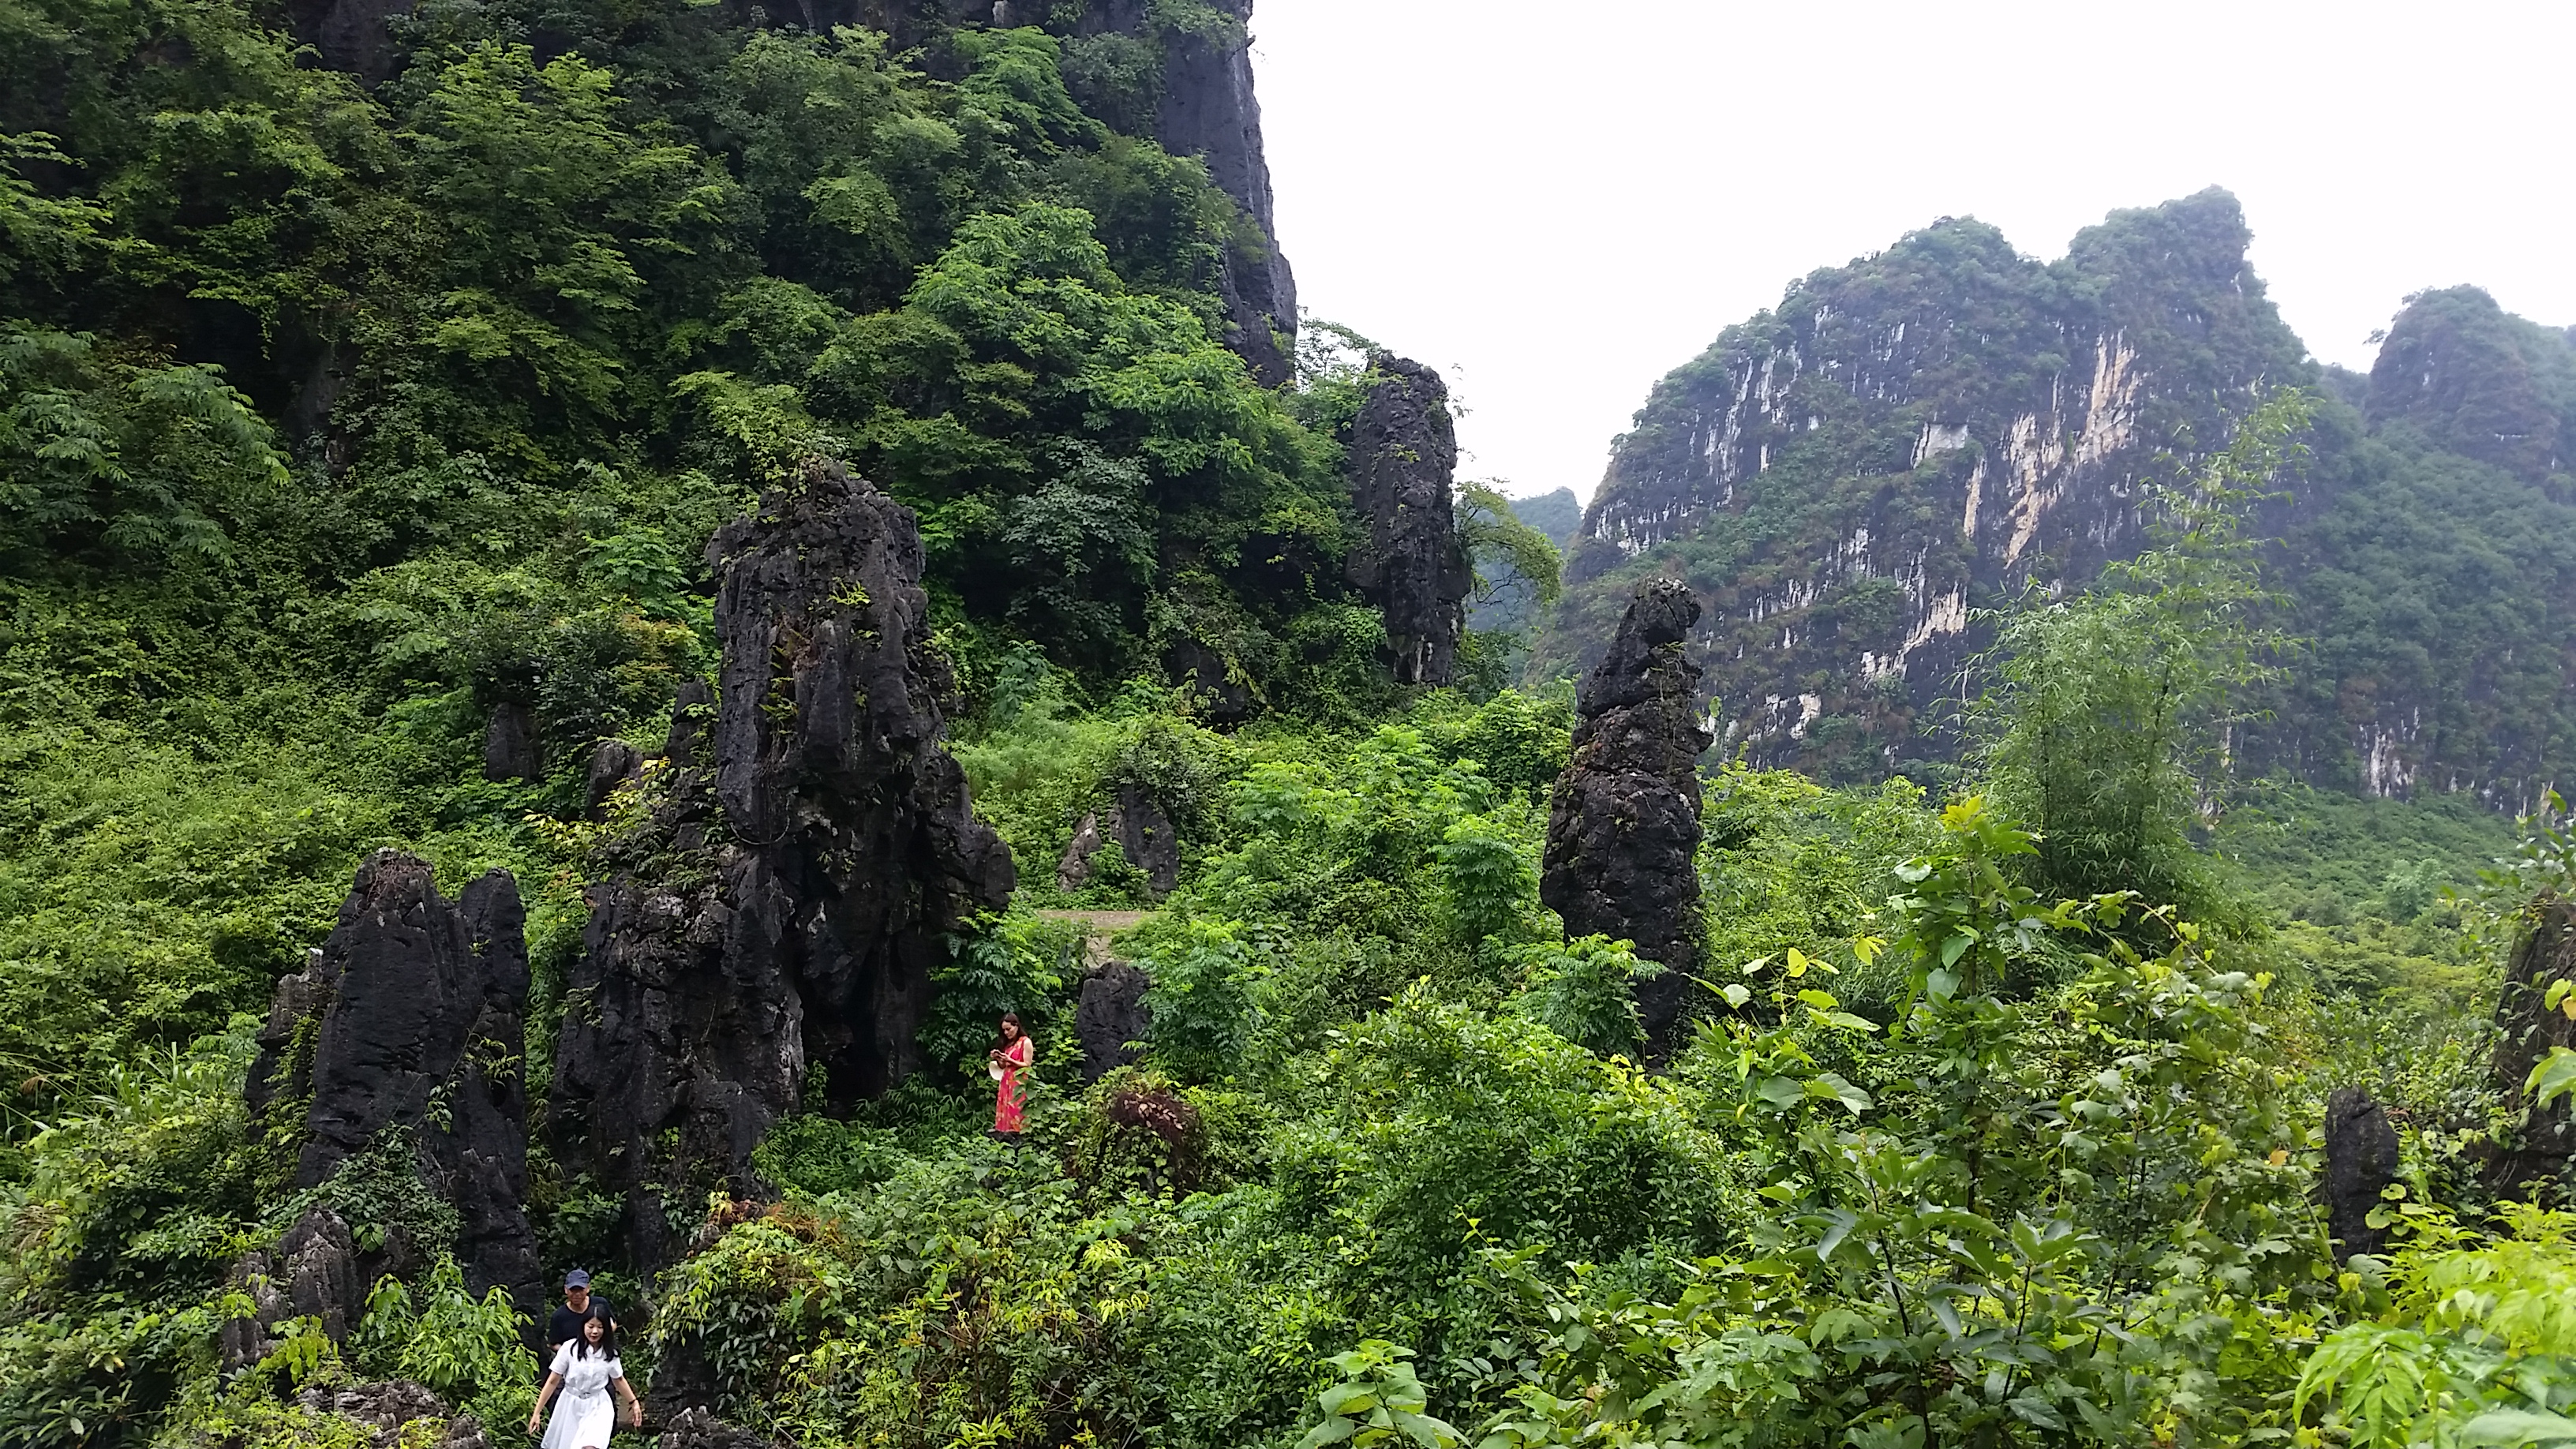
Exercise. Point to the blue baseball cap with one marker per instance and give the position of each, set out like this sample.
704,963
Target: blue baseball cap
576,1279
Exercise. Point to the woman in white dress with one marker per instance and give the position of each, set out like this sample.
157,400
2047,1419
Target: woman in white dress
586,1370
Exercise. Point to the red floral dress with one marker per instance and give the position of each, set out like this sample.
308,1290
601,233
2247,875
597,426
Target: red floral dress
1010,1099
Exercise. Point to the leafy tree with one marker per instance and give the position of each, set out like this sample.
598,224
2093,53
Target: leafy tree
2108,725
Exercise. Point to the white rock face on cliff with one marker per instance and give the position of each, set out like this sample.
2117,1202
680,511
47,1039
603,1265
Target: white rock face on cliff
1843,480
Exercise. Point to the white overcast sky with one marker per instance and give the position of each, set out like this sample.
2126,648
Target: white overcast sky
1557,203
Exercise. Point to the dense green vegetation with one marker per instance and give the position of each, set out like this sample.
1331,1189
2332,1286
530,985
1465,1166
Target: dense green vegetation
333,418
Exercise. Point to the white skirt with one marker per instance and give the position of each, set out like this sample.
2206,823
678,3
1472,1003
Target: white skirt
581,1421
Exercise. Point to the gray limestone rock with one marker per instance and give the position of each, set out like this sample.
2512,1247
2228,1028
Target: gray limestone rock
1412,565
510,746
693,716
2361,1161
1623,826
410,1019
1144,833
1222,699
698,1428
1144,830
1204,106
612,764
311,1272
1110,1014
1073,872
2538,1152
390,1408
782,907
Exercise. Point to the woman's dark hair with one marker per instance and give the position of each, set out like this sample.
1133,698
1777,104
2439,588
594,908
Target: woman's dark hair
607,1336
1011,1018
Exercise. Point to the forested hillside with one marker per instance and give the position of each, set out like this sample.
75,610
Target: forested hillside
590,594
1851,478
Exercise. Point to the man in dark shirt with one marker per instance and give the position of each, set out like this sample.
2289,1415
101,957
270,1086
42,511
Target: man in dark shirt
564,1324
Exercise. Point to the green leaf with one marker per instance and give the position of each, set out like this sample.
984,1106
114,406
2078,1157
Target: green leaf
2031,1409
2518,1426
1348,1398
2553,1078
1831,1085
1331,1431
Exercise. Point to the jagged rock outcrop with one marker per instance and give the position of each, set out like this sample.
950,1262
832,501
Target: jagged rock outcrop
782,908
693,718
312,1272
1222,699
1144,831
612,764
390,1408
1623,826
1109,1014
1204,106
2527,1027
698,1428
1179,77
1073,871
410,1020
283,1070
831,763
2361,1162
511,750
1412,564
1144,834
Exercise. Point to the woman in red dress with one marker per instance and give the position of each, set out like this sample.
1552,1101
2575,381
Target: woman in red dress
1010,1060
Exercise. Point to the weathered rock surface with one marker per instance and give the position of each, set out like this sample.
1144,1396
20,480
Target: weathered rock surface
510,746
388,1408
312,1272
2361,1161
693,717
1110,1014
1073,872
1205,107
699,1428
612,763
1144,834
831,765
783,906
410,1020
1412,565
283,1071
1623,825
1222,699
2527,1028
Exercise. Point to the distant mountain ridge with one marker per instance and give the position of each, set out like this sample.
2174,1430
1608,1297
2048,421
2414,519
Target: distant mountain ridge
1846,478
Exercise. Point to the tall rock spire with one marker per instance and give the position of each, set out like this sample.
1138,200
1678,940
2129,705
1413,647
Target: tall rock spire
409,1023
781,908
1412,564
1623,826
